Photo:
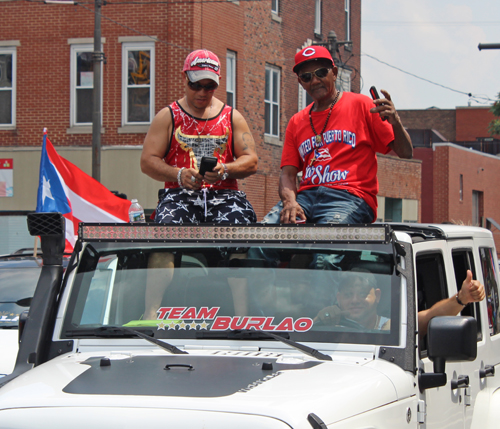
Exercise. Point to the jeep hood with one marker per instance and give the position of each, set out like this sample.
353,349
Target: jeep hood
195,390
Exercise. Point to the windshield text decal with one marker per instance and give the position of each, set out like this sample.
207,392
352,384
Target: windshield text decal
206,318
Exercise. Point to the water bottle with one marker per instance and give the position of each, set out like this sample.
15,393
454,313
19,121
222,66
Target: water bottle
136,213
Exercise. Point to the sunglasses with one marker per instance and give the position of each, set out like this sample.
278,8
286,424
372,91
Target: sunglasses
319,73
195,86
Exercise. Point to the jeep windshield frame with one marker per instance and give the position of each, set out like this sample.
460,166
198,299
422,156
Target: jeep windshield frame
220,285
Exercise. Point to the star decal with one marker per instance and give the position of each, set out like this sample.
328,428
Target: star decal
182,325
192,325
216,201
182,206
168,197
204,325
46,192
198,202
222,217
161,325
236,208
194,219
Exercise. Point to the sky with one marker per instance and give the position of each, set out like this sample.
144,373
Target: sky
425,53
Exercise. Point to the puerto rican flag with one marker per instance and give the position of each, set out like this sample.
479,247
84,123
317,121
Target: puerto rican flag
66,189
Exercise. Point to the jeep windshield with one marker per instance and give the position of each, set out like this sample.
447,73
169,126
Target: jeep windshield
304,291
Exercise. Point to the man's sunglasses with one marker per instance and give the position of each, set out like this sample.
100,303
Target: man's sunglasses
319,73
195,86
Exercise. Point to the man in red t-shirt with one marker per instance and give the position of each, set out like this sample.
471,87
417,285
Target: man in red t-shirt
334,142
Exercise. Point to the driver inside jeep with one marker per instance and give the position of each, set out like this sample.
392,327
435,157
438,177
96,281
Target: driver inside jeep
358,298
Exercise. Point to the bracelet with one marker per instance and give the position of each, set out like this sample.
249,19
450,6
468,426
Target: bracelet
226,174
179,180
460,302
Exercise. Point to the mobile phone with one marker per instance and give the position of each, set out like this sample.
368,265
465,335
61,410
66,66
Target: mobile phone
375,96
207,164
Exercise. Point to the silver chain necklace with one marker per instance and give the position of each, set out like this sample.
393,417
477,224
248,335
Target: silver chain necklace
198,139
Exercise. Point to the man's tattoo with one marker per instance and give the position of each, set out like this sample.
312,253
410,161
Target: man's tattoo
248,142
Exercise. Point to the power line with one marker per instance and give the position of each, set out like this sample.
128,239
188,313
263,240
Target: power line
470,95
430,23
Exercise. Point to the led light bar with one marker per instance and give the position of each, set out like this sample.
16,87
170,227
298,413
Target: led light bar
240,233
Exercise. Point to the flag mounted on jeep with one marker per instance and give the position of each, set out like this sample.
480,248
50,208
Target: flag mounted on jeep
65,188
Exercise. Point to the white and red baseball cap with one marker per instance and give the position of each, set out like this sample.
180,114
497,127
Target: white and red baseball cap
311,53
202,64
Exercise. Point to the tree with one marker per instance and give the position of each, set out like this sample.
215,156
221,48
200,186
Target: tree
494,127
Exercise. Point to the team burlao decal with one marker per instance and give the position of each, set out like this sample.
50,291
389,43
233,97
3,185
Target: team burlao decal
207,318
8,317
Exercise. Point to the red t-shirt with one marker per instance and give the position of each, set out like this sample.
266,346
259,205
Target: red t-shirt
346,156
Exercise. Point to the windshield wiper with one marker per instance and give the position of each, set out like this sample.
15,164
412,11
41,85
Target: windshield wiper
245,334
122,331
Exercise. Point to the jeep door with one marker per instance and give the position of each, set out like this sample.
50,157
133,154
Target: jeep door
434,278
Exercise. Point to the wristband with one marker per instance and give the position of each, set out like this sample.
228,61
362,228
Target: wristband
458,300
179,179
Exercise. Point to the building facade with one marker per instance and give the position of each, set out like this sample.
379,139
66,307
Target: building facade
460,165
47,51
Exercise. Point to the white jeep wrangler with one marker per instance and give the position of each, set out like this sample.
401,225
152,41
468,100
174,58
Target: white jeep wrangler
237,340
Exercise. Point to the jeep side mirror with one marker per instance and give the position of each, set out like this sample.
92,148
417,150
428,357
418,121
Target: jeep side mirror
452,338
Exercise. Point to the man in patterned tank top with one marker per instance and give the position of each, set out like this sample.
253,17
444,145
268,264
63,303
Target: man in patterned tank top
181,134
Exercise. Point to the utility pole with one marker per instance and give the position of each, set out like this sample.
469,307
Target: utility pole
98,58
333,45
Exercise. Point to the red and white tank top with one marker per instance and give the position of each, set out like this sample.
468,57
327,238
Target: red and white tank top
192,138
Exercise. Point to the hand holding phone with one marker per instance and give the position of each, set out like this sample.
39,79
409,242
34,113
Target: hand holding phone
375,96
207,164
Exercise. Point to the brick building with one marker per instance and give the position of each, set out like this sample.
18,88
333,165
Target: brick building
51,47
460,165
47,52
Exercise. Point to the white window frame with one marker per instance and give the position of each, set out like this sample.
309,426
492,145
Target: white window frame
137,46
303,98
317,18
275,6
75,49
275,74
231,75
347,13
343,82
11,50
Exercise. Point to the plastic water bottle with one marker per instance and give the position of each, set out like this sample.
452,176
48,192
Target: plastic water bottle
136,212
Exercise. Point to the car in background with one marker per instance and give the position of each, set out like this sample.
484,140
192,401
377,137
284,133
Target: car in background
19,273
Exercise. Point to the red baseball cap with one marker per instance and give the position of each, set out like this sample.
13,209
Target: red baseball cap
202,64
311,53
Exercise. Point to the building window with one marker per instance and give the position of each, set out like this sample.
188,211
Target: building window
137,83
304,98
477,208
317,18
393,209
461,187
271,100
347,14
82,84
7,86
231,79
275,5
